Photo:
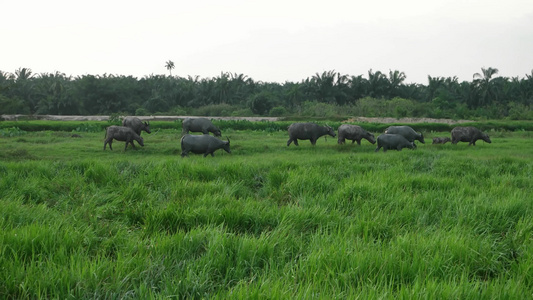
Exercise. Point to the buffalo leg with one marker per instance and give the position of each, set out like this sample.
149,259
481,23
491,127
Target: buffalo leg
289,142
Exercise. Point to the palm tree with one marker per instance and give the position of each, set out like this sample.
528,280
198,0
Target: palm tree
396,79
378,83
485,85
330,86
23,74
169,65
358,87
434,84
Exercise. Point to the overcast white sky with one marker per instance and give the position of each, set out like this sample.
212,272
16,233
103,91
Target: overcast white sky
270,41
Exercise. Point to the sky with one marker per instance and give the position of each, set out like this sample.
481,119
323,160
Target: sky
268,41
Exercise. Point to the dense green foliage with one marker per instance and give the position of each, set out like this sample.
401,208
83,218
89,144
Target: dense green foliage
97,126
267,221
329,94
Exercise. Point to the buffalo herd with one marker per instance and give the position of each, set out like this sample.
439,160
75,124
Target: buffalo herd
394,137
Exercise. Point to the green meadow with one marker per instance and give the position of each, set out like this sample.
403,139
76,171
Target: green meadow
266,221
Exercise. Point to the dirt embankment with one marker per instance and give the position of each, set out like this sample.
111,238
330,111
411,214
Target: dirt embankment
252,119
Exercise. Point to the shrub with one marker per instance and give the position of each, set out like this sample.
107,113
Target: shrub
116,118
262,103
278,111
86,127
370,107
319,109
141,112
519,111
13,131
215,110
400,107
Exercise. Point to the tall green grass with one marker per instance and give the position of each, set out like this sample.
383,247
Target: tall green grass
267,221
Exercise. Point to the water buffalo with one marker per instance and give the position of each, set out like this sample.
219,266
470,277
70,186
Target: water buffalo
202,125
307,131
394,142
354,133
136,124
407,132
123,134
202,144
441,140
468,134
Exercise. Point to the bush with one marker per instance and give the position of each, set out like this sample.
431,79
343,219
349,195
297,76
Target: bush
116,118
141,112
13,131
86,127
519,111
370,107
215,110
278,111
262,103
400,107
321,110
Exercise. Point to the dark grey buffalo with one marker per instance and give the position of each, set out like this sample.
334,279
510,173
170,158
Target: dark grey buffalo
468,134
202,125
136,124
354,133
123,134
441,140
308,131
202,144
407,132
393,142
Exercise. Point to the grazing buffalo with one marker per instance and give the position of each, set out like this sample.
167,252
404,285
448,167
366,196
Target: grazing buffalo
123,134
202,125
468,134
441,140
407,132
307,131
354,133
202,144
136,124
393,141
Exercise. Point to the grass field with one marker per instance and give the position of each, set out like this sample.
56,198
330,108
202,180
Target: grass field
267,221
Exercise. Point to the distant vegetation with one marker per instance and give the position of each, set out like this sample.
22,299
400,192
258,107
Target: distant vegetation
328,95
225,125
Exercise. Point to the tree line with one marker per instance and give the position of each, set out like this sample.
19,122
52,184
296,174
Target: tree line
321,95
